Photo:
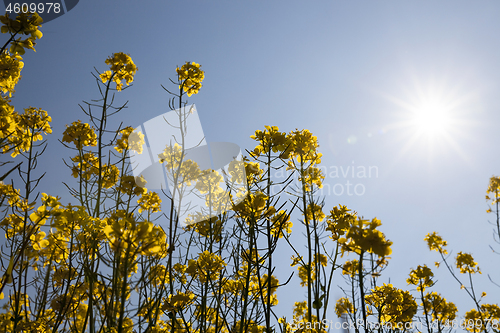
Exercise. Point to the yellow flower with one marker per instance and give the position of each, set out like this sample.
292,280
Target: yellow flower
7,191
80,134
136,142
394,305
296,260
319,259
87,165
24,23
281,224
179,301
312,176
132,185
207,266
436,243
253,172
303,147
491,311
357,234
342,306
29,128
421,277
466,263
253,206
122,68
158,275
362,235
314,212
130,140
187,171
110,174
38,242
190,77
439,308
17,46
339,221
474,321
210,227
493,189
271,139
149,201
350,267
10,72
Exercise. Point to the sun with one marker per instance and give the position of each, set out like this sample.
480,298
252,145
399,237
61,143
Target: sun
431,119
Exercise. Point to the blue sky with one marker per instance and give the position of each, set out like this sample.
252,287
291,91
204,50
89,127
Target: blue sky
350,72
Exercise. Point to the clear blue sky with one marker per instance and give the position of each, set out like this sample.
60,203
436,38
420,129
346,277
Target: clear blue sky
349,71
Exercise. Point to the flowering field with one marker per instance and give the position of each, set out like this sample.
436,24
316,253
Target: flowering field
115,260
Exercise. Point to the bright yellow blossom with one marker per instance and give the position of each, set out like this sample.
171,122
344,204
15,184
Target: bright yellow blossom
38,241
190,77
421,277
80,134
122,68
149,201
10,72
466,263
439,308
392,304
436,243
343,306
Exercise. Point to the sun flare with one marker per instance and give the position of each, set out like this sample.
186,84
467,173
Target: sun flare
431,120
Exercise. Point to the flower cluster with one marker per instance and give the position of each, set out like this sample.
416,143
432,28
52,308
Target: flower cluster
122,68
10,72
304,148
392,304
150,202
493,189
271,139
123,231
350,268
421,277
281,224
254,207
9,193
178,301
206,267
314,212
466,263
85,166
356,234
343,306
30,126
190,77
440,309
18,131
436,243
210,228
80,134
25,24
318,260
130,140
131,185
